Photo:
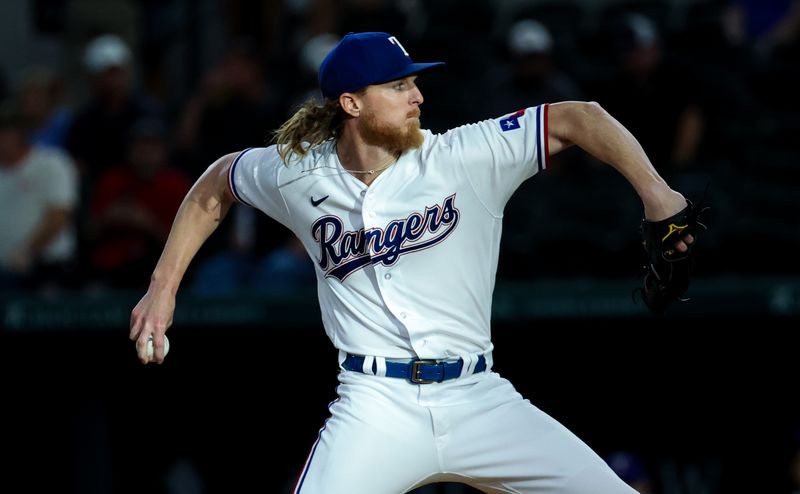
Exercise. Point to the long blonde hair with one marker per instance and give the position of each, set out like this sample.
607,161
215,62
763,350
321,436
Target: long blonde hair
310,126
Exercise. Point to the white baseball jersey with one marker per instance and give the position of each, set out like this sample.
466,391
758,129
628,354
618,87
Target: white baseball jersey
406,266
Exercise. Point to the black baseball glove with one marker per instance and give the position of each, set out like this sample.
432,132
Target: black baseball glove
668,271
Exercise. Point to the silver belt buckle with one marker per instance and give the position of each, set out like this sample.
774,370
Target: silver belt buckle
415,371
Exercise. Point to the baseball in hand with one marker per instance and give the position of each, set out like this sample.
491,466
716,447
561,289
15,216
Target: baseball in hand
151,349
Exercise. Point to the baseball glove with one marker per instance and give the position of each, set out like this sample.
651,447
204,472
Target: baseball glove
668,271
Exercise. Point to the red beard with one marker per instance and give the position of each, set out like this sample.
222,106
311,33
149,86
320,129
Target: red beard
395,140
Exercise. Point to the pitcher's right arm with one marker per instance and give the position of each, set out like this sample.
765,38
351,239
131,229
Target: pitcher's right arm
200,213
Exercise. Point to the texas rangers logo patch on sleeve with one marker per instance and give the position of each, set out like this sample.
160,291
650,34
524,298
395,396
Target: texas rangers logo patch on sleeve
511,122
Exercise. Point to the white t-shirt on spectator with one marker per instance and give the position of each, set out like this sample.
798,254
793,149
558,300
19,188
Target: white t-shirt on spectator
46,178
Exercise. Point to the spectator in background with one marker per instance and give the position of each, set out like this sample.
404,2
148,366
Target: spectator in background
97,138
231,109
229,270
765,24
38,194
631,469
132,208
312,54
40,96
259,255
531,77
285,268
647,83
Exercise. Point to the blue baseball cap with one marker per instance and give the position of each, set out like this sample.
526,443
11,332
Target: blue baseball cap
363,59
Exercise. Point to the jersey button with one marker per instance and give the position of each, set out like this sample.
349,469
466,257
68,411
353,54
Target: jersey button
363,192
388,276
371,214
402,315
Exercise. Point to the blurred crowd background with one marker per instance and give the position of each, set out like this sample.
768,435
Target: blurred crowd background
111,109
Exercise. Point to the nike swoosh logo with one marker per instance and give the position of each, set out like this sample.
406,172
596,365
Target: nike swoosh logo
317,202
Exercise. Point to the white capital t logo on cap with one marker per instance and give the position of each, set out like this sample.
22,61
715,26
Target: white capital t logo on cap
394,41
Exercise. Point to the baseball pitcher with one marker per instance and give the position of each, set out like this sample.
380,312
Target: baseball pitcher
404,228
